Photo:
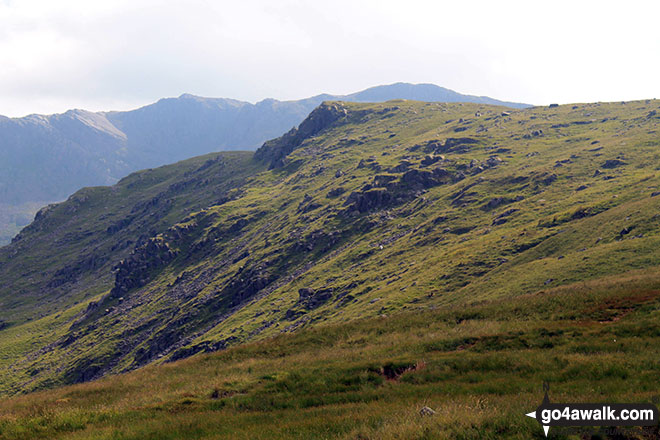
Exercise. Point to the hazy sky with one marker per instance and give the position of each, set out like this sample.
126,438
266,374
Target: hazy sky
101,55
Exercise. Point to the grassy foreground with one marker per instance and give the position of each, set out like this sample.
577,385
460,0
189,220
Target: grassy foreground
480,367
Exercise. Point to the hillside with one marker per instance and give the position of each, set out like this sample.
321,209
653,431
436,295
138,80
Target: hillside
404,233
479,367
46,158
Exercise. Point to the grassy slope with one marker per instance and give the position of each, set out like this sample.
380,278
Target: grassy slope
78,242
440,248
480,367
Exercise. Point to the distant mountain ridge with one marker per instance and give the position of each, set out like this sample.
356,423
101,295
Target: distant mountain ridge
46,158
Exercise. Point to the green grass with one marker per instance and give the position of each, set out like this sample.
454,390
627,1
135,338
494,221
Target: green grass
480,367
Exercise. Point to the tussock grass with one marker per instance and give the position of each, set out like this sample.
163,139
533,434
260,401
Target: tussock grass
480,367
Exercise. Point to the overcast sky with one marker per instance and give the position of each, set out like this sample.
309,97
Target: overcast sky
102,55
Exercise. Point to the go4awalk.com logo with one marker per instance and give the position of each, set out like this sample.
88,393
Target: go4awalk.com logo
593,414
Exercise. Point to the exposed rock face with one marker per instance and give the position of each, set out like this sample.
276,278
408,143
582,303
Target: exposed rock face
312,299
136,270
390,190
451,145
369,200
246,283
431,159
336,192
322,117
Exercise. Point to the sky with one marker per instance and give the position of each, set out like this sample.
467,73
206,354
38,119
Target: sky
122,54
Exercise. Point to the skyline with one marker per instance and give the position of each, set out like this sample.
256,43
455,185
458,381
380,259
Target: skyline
123,55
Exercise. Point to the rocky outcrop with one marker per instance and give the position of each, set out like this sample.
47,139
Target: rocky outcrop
451,145
313,298
136,270
613,163
391,190
323,117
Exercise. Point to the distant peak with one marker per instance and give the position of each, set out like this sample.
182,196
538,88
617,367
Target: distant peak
189,96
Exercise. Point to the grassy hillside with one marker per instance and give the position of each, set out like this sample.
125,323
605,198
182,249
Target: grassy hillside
45,158
479,367
536,229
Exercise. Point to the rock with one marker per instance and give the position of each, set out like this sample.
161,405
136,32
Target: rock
369,163
307,205
305,293
597,173
292,314
426,412
505,114
613,163
655,193
339,173
336,192
382,180
553,106
493,161
625,231
404,165
364,201
581,188
419,178
502,218
312,299
451,145
136,270
321,118
430,160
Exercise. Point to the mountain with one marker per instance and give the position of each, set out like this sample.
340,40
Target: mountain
46,158
363,211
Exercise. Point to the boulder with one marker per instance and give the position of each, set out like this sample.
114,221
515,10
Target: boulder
613,163
426,412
